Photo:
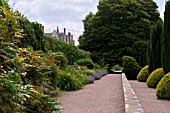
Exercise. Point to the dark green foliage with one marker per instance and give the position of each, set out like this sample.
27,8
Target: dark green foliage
139,52
39,35
68,82
70,79
61,59
117,68
97,66
163,87
86,62
154,47
130,67
155,77
71,52
165,56
28,38
120,27
143,74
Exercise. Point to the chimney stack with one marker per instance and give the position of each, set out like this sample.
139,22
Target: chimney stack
43,29
69,36
64,31
57,30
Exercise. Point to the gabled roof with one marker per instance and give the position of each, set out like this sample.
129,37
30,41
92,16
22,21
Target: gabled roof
47,34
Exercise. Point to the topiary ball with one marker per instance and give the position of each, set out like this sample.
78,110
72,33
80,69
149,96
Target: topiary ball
163,87
155,77
143,74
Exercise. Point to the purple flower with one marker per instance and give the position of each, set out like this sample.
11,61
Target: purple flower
104,73
91,79
98,75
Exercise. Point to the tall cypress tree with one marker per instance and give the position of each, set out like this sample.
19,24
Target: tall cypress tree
154,49
166,39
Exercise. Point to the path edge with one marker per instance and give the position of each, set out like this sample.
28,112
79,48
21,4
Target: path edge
132,104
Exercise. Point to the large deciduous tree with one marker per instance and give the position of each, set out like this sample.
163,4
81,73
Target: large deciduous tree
118,24
166,39
154,48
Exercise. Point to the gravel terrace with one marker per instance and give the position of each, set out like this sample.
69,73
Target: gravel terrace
148,100
103,96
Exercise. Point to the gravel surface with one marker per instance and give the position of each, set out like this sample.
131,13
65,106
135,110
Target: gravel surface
103,96
148,99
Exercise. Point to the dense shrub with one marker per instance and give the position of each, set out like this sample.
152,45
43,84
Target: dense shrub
143,74
15,97
130,67
163,87
71,52
117,68
61,59
70,79
73,71
97,66
155,77
86,62
67,82
17,91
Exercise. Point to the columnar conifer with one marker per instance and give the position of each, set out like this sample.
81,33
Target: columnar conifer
154,49
166,39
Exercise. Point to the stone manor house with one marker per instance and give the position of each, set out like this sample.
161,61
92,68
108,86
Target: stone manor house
67,38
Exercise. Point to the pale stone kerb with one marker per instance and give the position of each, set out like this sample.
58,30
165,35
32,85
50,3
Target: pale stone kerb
132,104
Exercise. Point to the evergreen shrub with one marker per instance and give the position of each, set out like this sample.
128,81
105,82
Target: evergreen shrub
117,67
163,87
155,77
130,67
86,62
143,74
68,82
61,59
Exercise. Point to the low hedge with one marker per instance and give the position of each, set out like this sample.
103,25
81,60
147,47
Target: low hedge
163,87
155,77
143,74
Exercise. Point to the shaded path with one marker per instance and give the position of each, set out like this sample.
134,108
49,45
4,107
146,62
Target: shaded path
148,99
103,96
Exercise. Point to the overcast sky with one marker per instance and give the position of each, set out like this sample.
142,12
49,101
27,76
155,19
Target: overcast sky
62,13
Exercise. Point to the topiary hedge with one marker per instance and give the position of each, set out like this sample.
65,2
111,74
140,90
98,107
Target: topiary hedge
143,74
155,77
163,87
130,67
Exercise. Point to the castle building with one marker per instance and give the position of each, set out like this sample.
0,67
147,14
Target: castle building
67,38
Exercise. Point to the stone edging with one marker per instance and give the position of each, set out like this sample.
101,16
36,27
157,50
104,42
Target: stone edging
132,104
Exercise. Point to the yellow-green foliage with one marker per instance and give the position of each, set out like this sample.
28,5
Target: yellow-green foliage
163,87
155,77
143,74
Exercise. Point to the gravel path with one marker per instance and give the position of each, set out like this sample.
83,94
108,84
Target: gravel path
103,96
148,99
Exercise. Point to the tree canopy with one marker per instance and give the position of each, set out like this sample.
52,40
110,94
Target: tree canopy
113,31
